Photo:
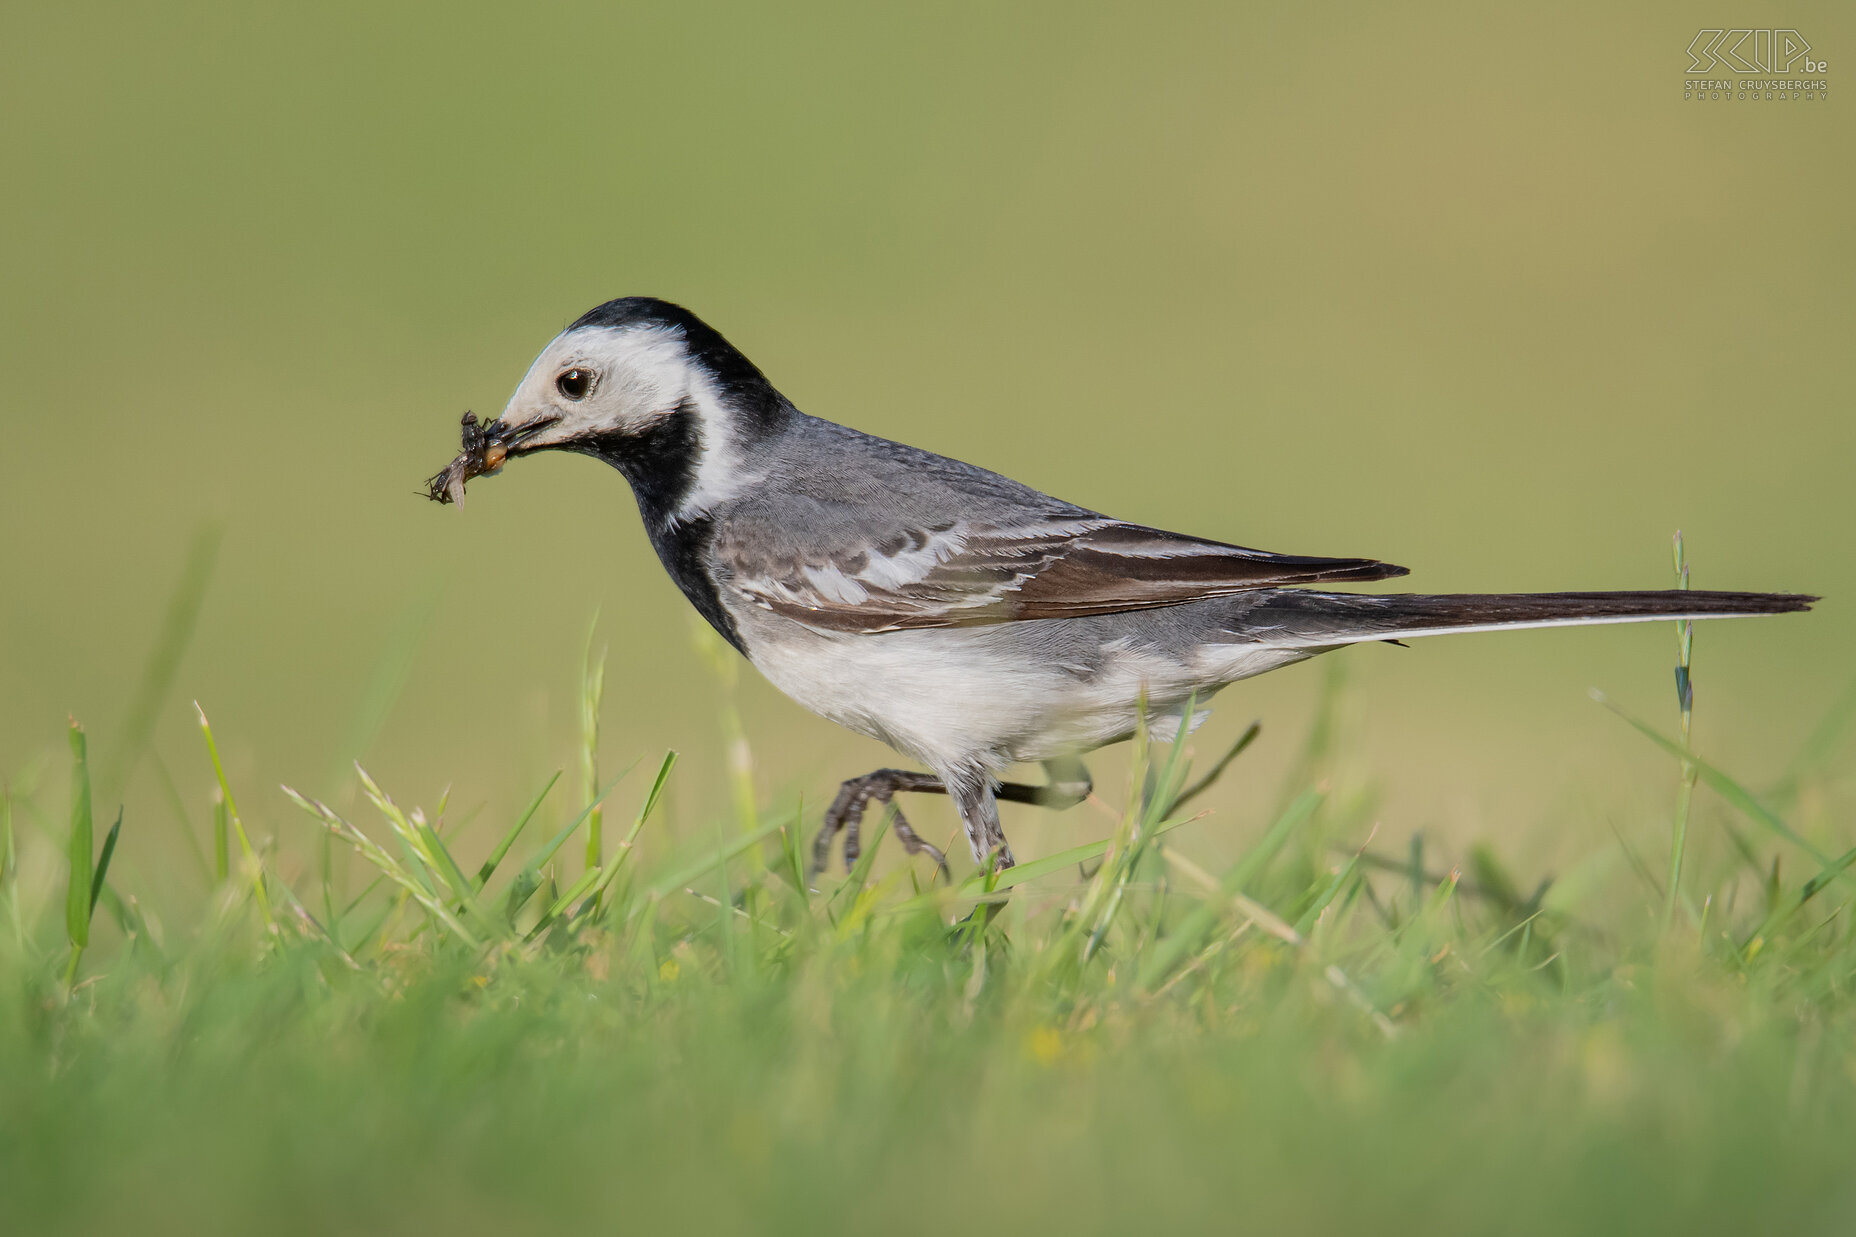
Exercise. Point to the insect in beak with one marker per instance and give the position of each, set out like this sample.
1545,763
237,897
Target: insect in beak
484,446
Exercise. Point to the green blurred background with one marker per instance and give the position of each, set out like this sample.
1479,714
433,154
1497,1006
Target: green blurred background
1473,290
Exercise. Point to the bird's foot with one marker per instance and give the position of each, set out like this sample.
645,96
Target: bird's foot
846,815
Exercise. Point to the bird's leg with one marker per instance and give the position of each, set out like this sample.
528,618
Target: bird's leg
847,814
1069,785
973,796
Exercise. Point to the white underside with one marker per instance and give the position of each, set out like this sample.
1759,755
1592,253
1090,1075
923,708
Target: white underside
965,697
952,697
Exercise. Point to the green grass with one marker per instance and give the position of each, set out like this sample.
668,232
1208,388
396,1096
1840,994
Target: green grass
503,1028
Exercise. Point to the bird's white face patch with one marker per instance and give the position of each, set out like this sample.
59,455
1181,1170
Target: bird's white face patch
634,377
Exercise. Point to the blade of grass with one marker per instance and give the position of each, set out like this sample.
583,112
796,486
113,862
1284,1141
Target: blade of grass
631,836
871,901
1685,794
252,862
365,937
1723,785
592,692
354,903
222,837
574,892
1328,892
528,878
1784,909
497,856
103,862
792,862
859,875
79,852
447,866
559,840
1160,789
1217,770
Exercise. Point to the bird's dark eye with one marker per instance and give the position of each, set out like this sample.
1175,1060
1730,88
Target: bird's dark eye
575,383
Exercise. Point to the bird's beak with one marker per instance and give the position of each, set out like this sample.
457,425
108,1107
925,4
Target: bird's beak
483,450
505,440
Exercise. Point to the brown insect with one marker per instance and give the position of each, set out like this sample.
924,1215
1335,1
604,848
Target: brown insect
478,455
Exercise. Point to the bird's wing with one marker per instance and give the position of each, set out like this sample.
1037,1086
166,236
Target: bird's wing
826,568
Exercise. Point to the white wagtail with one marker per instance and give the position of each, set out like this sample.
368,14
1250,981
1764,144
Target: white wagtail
964,619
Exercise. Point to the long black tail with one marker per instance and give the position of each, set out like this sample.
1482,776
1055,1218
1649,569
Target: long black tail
1314,620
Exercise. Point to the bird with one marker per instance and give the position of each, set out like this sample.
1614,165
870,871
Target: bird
965,619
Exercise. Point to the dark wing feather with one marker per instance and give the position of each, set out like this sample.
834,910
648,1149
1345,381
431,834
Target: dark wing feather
959,572
1130,567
